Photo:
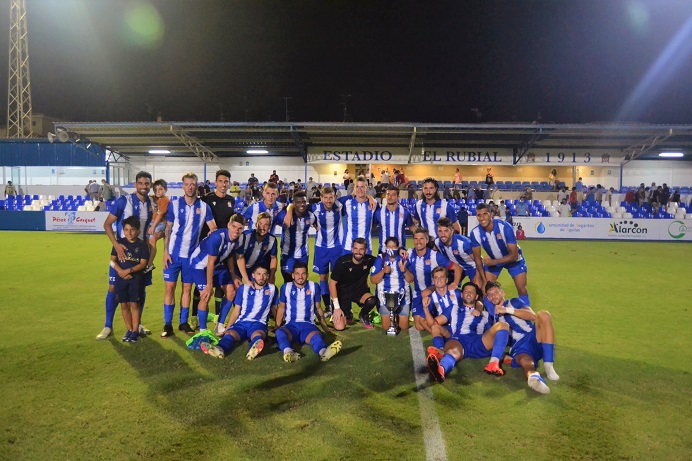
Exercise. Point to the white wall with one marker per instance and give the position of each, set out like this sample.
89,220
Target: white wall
659,171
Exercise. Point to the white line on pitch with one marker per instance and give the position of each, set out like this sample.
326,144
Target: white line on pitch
432,435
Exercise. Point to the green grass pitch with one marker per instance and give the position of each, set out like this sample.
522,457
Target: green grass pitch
621,311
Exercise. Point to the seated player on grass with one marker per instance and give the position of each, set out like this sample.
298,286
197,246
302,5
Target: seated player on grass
471,335
248,320
213,263
533,337
129,283
299,300
388,275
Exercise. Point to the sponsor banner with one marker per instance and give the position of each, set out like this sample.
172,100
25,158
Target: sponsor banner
466,155
669,230
75,221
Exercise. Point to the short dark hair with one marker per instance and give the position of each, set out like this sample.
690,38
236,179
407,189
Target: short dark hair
300,194
479,293
482,206
223,173
160,182
490,285
260,266
360,241
393,187
392,239
143,174
327,190
133,222
444,222
239,218
300,265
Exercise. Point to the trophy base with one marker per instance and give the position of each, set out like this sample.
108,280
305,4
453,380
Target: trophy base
392,332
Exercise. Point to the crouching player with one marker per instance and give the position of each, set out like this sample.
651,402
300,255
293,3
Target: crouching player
470,333
248,320
530,342
129,284
299,300
388,274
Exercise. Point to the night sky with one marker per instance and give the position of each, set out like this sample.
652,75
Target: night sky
454,62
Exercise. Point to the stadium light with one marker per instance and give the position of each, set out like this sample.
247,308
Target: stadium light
257,151
159,151
671,154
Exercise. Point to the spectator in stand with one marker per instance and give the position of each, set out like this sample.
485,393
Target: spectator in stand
675,198
641,195
401,179
314,195
562,194
94,189
349,187
310,184
207,187
650,195
106,192
492,208
552,179
464,192
385,178
523,208
200,189
379,190
86,188
501,209
252,182
463,218
347,178
338,193
447,194
457,177
564,209
471,194
10,190
609,196
528,195
630,196
411,190
665,195
275,177
372,191
234,190
591,196
573,201
489,177
508,215
520,233
247,194
579,185
598,195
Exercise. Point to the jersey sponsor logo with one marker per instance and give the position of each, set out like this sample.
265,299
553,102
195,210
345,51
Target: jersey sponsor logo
213,203
229,205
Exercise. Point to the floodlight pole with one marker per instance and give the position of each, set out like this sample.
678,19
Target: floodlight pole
19,81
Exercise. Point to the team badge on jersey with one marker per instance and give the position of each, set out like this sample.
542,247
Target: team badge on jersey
438,210
427,262
307,292
456,252
230,205
198,211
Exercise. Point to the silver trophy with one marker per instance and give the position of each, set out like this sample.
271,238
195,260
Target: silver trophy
393,304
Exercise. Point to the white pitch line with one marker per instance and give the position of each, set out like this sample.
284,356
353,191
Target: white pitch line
432,435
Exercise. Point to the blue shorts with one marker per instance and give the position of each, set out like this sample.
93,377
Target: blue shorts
405,302
514,269
147,278
160,227
471,273
300,331
527,345
176,267
473,346
287,262
129,291
325,258
246,329
221,277
417,306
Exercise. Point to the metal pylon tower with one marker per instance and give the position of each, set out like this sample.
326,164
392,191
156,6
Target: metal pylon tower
19,81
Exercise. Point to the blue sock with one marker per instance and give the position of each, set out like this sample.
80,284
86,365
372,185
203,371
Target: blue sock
317,343
184,314
225,309
501,338
282,339
168,313
227,343
111,307
548,352
324,288
202,317
525,299
439,342
448,363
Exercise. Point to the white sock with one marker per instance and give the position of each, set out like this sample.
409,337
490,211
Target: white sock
322,352
550,371
288,350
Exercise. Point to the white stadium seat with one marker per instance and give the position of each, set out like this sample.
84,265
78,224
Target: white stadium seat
81,208
627,215
554,214
617,215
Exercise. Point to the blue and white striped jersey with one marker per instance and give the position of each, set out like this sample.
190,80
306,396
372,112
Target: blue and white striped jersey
427,215
459,317
257,252
392,282
255,303
392,224
218,244
187,221
519,328
422,266
300,302
329,223
294,238
130,205
459,251
495,241
253,210
357,221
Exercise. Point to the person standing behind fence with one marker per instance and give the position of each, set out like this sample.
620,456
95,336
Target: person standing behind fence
106,191
10,190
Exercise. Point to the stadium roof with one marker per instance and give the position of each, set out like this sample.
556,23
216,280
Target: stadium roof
211,140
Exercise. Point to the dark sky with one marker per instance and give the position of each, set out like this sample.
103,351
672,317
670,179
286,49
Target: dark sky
569,61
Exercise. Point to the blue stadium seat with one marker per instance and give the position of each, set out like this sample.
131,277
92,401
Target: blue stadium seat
576,214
